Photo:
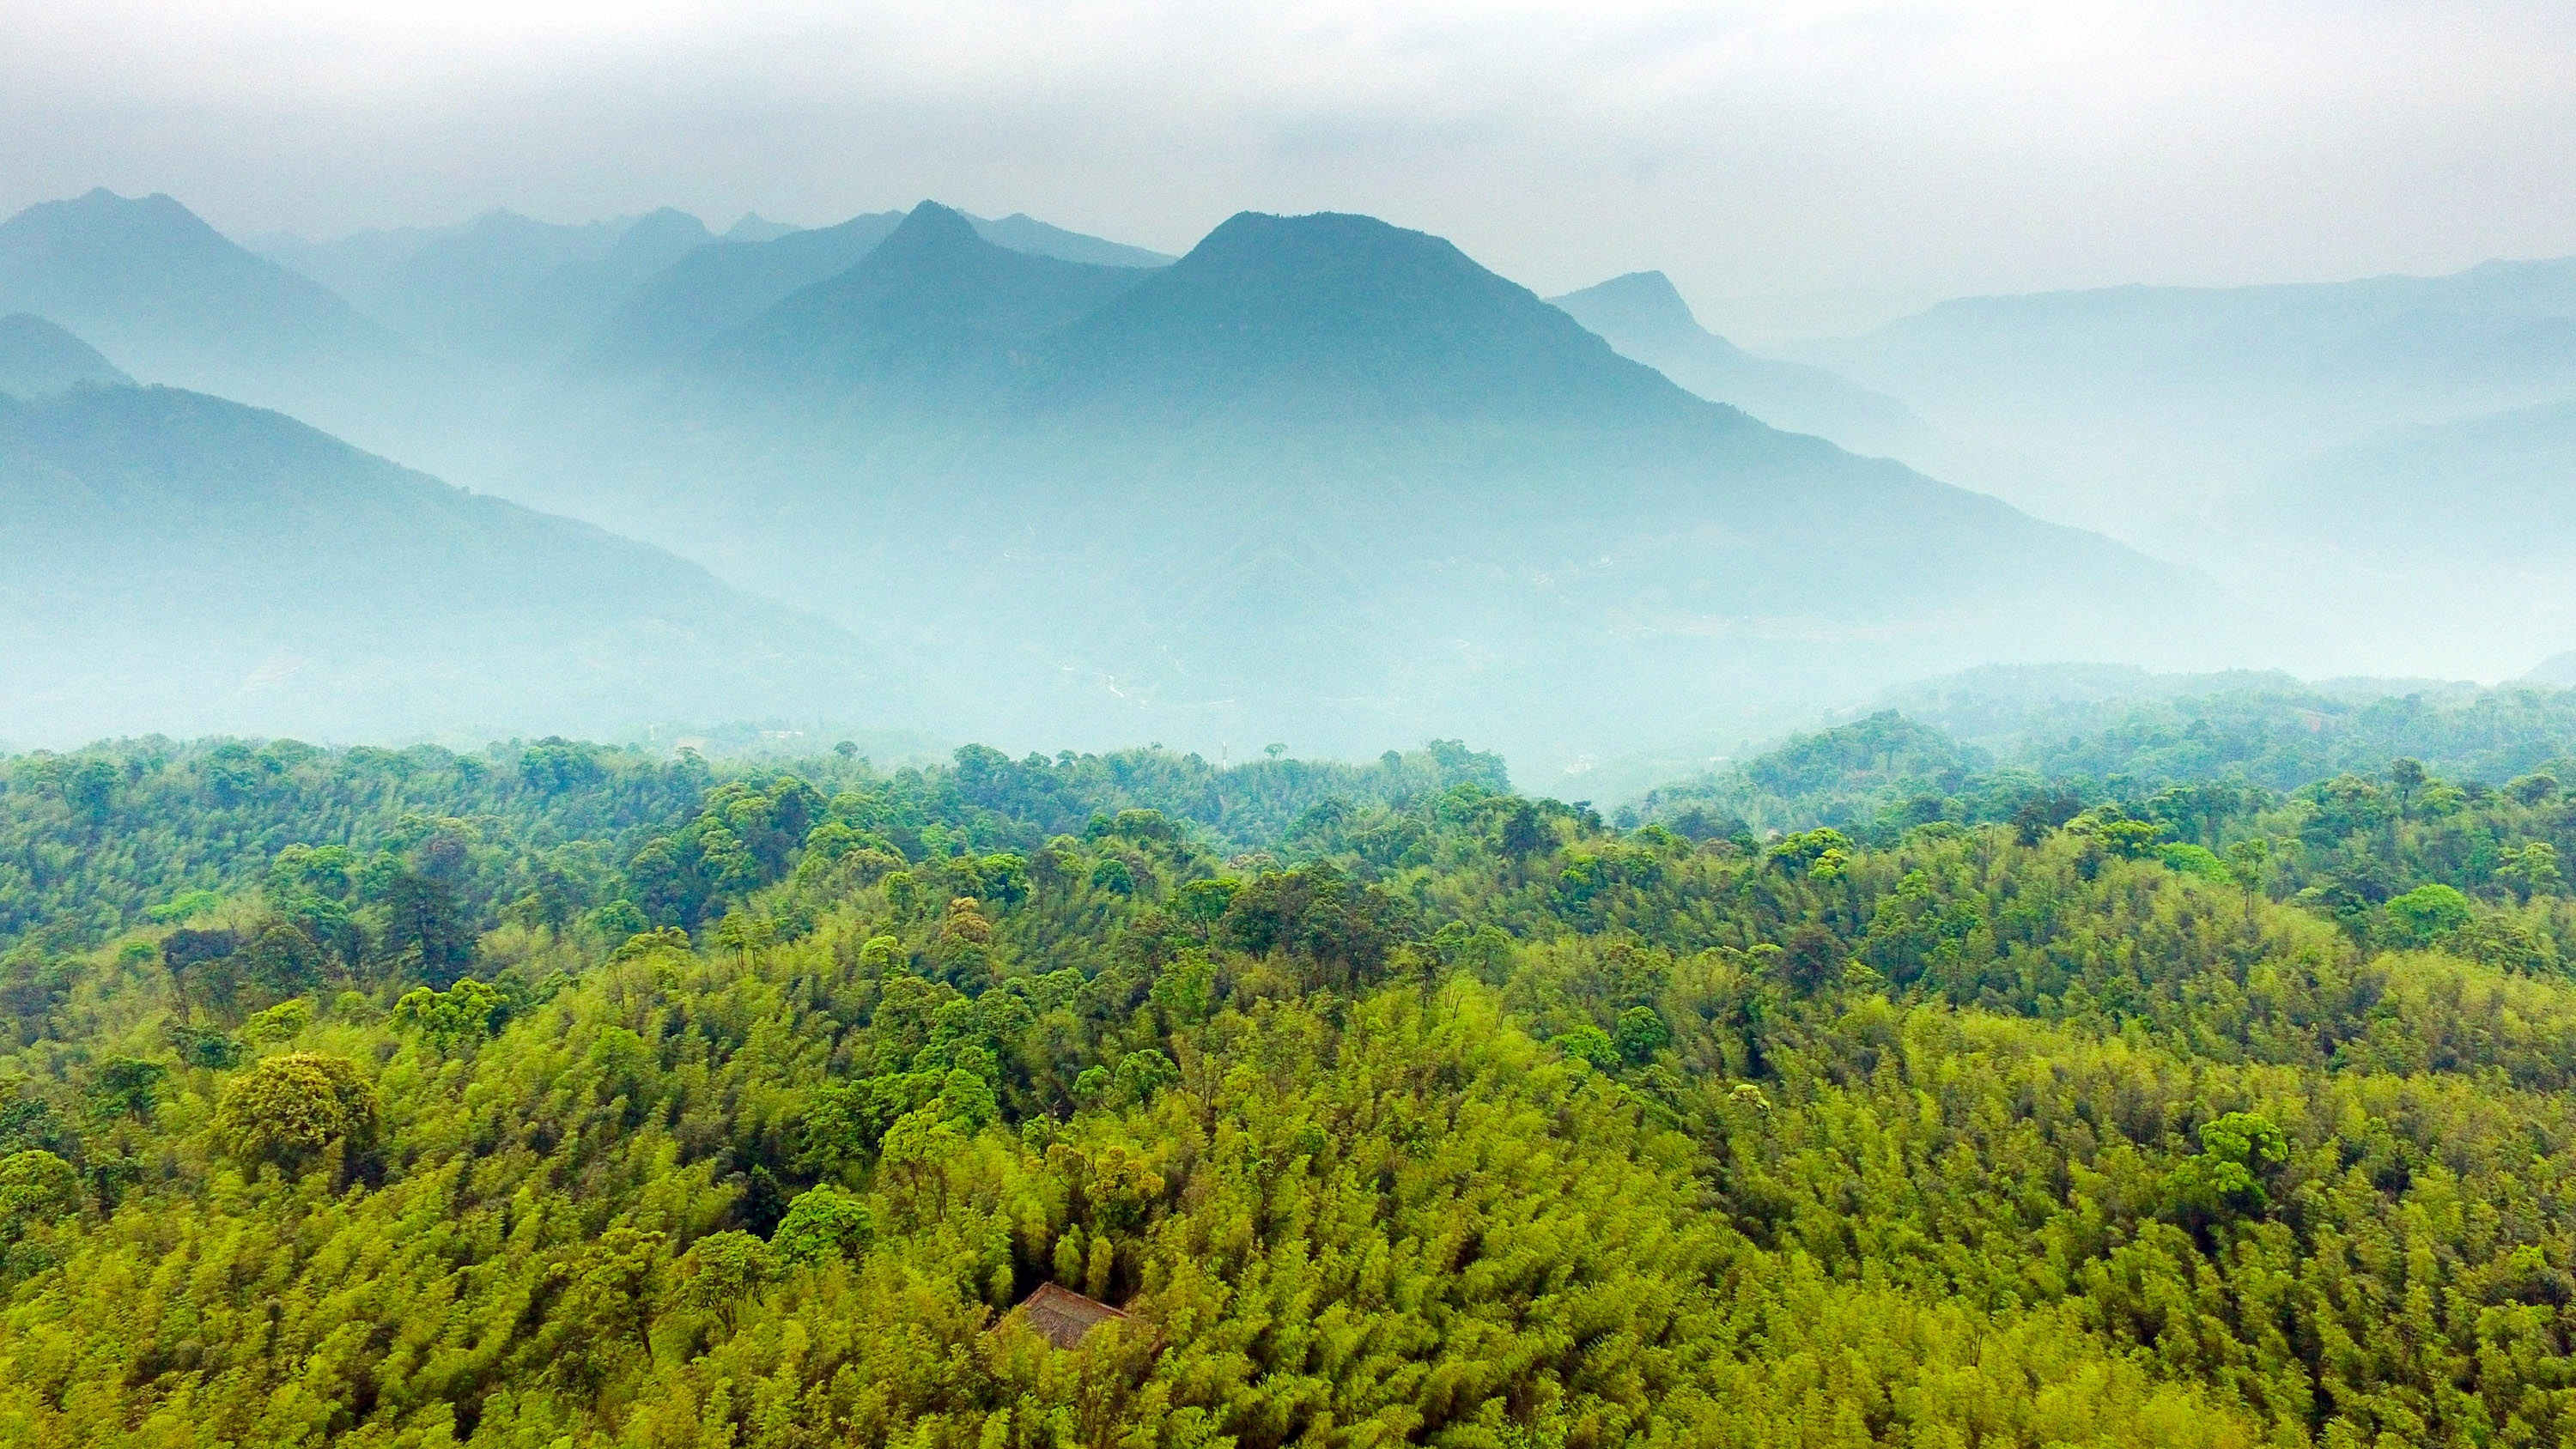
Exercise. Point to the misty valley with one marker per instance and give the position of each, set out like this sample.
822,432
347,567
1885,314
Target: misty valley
941,831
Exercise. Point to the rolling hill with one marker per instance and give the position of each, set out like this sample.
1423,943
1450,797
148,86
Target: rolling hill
213,566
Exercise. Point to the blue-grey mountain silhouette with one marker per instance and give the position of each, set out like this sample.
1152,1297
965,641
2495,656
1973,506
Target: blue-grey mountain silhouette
715,289
933,315
1320,468
174,301
39,360
212,566
1643,316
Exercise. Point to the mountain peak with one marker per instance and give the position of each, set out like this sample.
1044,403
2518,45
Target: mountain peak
171,296
39,359
931,224
933,244
934,306
99,216
655,240
1351,314
1325,242
756,228
1639,306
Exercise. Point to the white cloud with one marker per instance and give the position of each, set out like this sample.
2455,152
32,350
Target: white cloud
1748,148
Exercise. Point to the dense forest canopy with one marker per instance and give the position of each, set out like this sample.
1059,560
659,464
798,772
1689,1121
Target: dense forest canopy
1981,746
557,1094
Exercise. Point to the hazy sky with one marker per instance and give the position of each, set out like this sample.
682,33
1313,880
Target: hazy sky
1760,153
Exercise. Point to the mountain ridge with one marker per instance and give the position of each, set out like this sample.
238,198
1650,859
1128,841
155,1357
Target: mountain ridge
150,281
39,359
1330,304
933,305
1322,469
1643,315
220,566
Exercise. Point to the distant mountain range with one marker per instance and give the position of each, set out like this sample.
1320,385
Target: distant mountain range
753,227
2333,452
933,313
1321,475
172,300
1320,478
1643,316
215,567
711,290
2495,490
2156,402
634,290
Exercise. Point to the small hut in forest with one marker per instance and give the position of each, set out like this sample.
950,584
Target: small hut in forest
1063,1315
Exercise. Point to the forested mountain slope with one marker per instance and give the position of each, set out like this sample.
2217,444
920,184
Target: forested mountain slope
1453,1118
562,818
2244,745
210,565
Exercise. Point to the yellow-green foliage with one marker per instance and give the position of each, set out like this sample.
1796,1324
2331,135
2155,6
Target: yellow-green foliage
1471,1124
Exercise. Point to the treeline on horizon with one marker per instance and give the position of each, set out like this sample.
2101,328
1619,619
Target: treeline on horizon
1891,769
566,1095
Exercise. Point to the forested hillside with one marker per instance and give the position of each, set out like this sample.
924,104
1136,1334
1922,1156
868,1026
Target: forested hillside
565,1096
1977,747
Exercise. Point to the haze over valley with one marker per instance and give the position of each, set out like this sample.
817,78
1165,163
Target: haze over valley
1321,478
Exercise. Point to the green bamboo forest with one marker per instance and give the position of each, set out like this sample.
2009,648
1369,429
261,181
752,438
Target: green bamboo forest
567,1095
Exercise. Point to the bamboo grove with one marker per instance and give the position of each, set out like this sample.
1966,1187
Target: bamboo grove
560,1096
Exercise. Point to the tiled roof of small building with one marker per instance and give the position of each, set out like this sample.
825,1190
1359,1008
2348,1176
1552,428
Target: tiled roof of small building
1063,1315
